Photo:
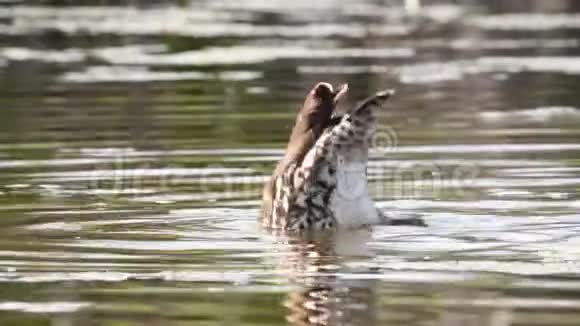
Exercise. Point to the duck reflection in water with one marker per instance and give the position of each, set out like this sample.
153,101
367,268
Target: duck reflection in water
336,281
314,264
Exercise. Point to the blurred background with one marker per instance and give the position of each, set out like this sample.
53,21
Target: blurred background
136,136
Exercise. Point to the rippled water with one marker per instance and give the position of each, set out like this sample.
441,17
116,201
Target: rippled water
135,138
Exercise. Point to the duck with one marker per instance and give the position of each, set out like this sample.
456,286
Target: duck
321,181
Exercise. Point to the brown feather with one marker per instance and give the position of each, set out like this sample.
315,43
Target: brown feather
313,118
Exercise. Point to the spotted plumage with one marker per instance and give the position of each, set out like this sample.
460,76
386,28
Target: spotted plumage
321,182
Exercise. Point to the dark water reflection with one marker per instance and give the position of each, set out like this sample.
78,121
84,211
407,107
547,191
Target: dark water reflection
136,135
